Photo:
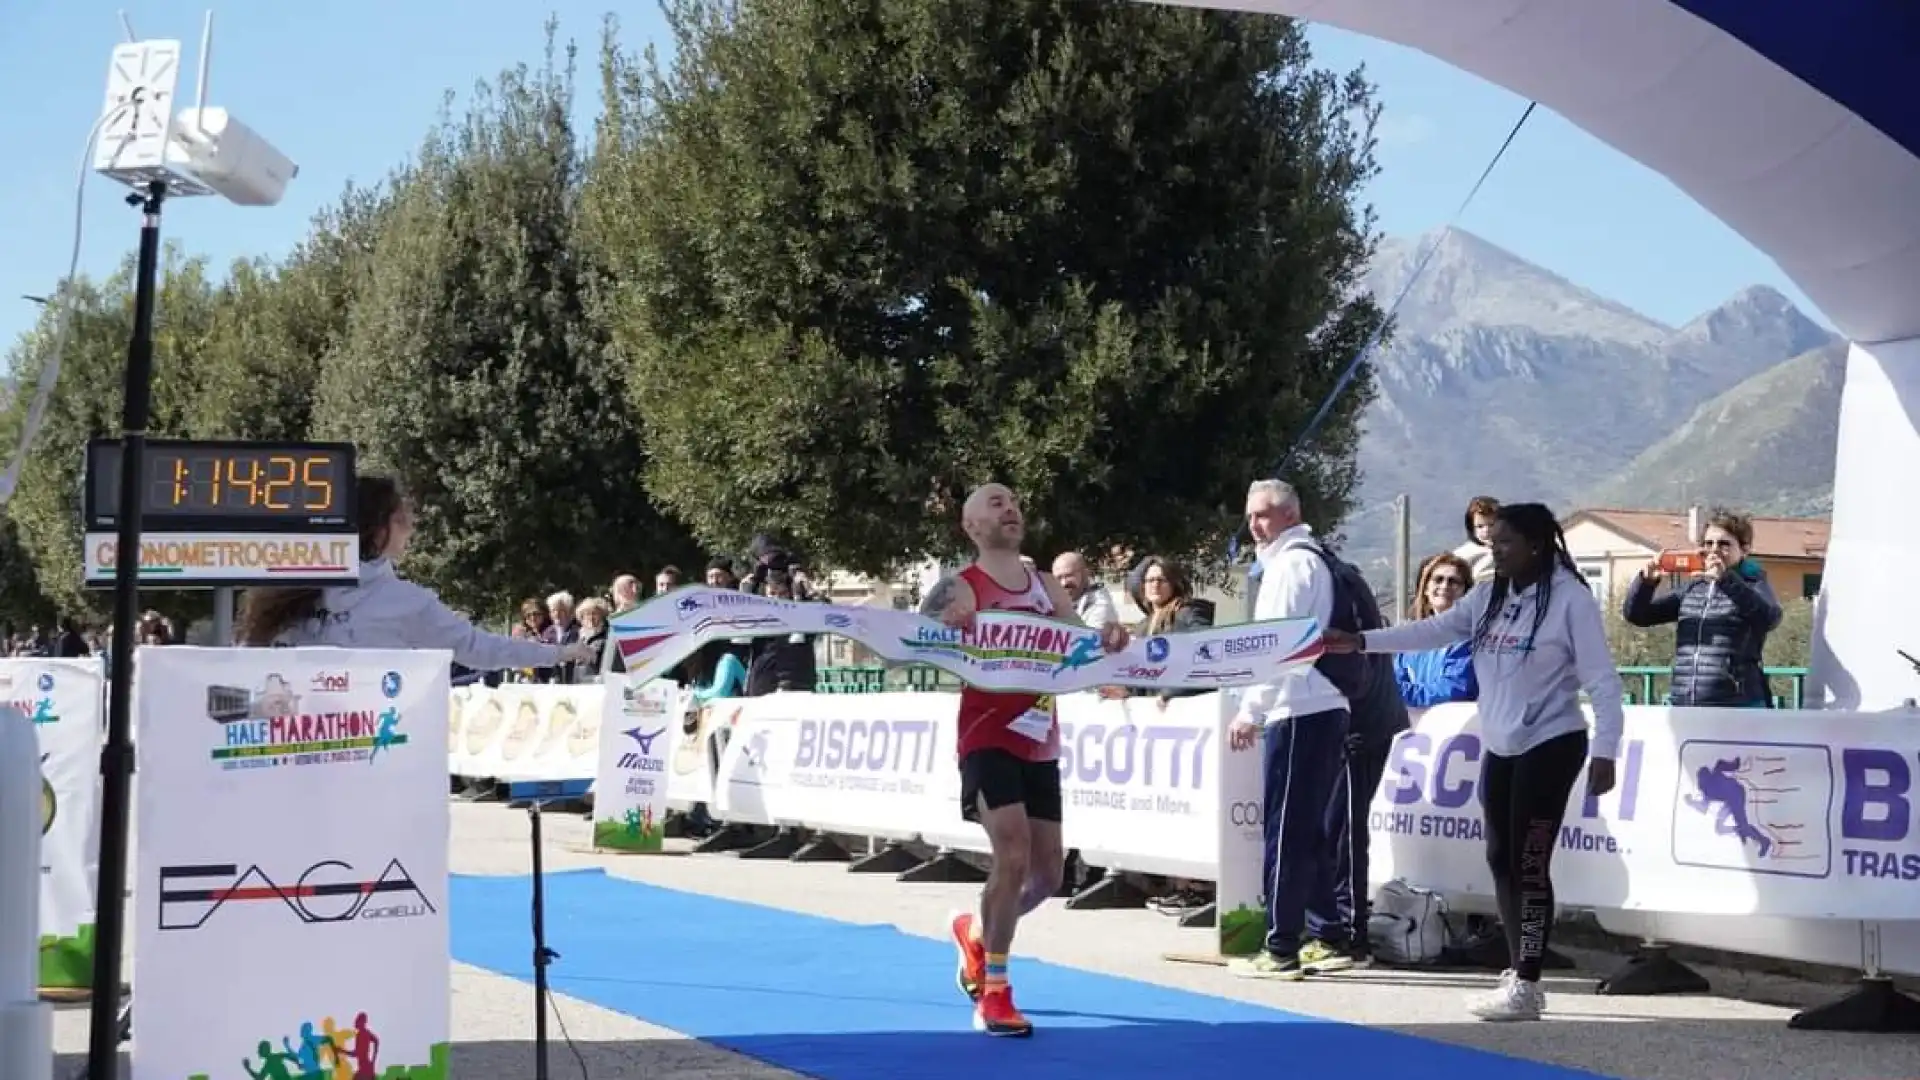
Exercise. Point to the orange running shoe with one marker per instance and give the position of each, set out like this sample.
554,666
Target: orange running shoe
996,1015
973,956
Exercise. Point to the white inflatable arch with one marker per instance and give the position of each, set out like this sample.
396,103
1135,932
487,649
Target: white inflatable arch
1798,124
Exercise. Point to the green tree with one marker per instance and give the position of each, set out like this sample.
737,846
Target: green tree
470,370
866,255
275,321
22,603
86,403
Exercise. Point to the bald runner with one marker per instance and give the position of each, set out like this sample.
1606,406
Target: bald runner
1009,751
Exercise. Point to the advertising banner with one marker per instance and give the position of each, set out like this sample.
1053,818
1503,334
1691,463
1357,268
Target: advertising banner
291,866
696,753
1000,651
1140,781
870,764
1239,892
1716,812
63,699
638,728
522,732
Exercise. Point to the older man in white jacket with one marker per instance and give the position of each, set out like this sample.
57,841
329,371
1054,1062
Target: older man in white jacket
1301,720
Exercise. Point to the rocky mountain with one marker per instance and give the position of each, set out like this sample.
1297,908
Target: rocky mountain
1766,445
1505,379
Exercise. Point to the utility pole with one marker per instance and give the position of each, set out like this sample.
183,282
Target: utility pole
1402,554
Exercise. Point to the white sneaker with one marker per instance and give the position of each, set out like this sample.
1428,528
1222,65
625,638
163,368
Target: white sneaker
1513,999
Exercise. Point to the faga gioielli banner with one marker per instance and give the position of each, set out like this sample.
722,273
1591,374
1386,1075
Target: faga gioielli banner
63,699
639,727
291,871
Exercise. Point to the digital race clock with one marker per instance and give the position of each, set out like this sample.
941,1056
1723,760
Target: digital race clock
226,484
218,512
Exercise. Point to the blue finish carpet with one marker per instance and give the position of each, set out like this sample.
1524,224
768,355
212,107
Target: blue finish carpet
841,1001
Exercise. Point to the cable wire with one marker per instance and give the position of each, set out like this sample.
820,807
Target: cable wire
1373,339
63,295
1419,268
553,1003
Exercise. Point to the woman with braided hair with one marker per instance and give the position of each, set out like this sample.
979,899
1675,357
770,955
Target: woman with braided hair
1538,640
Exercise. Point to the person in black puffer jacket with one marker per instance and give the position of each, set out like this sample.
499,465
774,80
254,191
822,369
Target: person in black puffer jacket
780,663
1722,617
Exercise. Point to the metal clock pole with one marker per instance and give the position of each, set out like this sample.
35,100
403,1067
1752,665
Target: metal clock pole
116,761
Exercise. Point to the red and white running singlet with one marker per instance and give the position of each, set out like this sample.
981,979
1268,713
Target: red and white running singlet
1023,725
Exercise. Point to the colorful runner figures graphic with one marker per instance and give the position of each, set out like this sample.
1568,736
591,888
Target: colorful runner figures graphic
335,1053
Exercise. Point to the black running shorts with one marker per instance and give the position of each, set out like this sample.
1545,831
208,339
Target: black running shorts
1002,779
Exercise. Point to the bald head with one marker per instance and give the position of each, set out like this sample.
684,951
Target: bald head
991,518
1072,571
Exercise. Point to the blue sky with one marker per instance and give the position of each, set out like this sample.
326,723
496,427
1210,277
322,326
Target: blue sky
347,88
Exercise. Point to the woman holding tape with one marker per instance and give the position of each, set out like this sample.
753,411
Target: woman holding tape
386,611
1537,642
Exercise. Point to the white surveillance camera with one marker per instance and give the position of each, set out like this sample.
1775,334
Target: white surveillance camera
227,156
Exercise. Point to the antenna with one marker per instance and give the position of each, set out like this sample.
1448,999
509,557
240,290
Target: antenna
200,81
143,145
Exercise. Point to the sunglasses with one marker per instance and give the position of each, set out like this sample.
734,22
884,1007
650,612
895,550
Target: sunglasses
1449,581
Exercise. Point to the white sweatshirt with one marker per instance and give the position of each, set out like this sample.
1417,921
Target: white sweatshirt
1294,584
1528,697
386,611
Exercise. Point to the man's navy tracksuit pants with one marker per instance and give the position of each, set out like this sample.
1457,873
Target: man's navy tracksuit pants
1315,828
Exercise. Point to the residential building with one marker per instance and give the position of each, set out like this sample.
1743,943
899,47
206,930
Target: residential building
1611,546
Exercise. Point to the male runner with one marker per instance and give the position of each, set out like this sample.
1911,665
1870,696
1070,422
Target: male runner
1009,748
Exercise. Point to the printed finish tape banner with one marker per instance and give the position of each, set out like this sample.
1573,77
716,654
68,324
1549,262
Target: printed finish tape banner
62,698
291,872
638,727
1000,651
1717,812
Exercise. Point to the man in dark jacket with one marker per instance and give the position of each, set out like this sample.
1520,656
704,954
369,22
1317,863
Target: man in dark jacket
780,663
1722,617
1340,920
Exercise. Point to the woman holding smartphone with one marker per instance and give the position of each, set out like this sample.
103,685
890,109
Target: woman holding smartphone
1722,611
1538,640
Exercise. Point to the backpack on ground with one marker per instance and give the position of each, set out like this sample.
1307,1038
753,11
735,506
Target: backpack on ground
1408,924
1355,611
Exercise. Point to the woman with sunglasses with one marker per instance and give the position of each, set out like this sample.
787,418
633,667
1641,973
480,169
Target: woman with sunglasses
1437,676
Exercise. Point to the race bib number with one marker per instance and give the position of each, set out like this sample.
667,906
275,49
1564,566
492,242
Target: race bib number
1037,722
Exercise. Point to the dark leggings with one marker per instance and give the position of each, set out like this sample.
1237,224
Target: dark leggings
1526,799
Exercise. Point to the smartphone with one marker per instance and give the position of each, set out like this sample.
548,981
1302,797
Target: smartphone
1682,562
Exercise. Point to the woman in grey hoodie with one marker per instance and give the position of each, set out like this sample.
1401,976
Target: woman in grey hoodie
386,611
1538,640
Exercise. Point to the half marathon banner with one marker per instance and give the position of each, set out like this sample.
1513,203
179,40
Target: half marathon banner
1001,651
291,874
639,726
63,699
1716,812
